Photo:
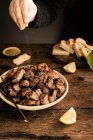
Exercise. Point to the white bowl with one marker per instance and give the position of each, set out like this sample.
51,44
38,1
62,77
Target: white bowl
40,107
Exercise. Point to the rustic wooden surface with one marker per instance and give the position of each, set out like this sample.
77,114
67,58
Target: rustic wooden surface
44,125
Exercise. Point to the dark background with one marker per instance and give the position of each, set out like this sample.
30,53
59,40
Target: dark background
9,32
72,22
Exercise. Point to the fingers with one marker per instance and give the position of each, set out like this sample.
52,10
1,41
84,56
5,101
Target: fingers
28,10
11,12
22,12
24,5
17,12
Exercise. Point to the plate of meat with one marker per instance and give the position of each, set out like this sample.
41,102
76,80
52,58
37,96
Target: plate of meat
33,87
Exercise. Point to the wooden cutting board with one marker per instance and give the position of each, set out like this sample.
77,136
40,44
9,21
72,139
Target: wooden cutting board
80,62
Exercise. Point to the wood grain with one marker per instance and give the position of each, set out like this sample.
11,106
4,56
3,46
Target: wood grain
45,123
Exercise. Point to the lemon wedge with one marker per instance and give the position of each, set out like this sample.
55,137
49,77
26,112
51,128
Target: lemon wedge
70,68
68,117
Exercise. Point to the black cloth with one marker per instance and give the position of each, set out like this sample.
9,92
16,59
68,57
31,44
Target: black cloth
81,17
48,11
79,14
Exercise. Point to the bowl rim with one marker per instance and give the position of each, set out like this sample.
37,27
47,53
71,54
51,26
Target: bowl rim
39,107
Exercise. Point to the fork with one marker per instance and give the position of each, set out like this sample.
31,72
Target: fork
20,111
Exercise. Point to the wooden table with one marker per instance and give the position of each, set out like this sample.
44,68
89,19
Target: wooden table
44,125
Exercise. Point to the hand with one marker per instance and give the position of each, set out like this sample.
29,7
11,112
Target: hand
22,12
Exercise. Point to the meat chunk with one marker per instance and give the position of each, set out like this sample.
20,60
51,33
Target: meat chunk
16,87
60,80
24,83
23,102
31,102
33,68
46,90
61,88
44,99
26,92
41,86
28,68
38,102
42,76
52,74
38,92
60,85
34,82
29,75
50,84
8,75
43,67
53,97
18,75
12,93
16,100
34,96
59,94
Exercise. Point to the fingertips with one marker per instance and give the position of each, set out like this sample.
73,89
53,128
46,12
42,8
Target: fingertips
17,22
27,24
20,23
24,4
15,13
12,13
19,15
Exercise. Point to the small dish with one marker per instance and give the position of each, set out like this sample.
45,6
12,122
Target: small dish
11,51
40,107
